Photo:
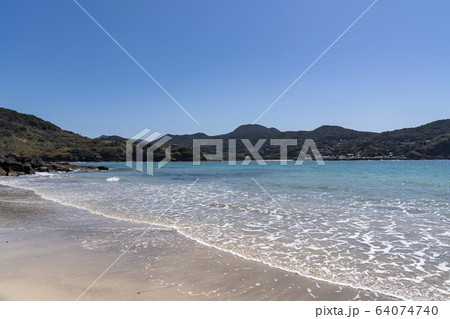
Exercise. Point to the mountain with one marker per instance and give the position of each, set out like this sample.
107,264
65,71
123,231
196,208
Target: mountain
29,136
429,141
253,130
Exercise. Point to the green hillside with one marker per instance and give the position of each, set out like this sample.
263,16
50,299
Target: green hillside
429,141
30,136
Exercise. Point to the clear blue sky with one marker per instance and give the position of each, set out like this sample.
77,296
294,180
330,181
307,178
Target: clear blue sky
226,61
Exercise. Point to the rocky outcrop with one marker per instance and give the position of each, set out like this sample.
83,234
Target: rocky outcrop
12,165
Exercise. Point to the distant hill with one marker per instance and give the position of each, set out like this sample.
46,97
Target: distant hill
429,141
30,136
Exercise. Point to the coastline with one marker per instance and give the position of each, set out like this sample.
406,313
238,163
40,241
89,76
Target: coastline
49,256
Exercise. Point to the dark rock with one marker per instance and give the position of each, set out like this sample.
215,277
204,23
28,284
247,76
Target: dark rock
28,169
36,162
91,168
62,167
12,165
14,173
15,165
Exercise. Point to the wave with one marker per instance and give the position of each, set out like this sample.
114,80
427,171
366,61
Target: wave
194,231
181,229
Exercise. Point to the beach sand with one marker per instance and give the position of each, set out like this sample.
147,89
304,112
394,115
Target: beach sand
51,251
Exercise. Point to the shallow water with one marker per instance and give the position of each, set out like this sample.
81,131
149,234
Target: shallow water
379,225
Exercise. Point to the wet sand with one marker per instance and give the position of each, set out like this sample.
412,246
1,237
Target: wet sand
51,251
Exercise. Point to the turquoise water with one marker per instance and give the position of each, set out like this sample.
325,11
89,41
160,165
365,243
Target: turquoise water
378,225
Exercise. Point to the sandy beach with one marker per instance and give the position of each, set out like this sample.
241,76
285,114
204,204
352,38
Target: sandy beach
45,257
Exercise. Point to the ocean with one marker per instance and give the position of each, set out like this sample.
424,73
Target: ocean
383,226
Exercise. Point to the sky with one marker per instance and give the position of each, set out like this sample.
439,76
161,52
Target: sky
225,62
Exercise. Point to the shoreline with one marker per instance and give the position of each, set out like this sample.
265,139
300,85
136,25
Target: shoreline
211,274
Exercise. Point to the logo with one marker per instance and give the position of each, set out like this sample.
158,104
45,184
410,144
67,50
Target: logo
141,149
144,144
